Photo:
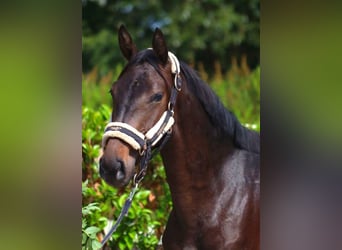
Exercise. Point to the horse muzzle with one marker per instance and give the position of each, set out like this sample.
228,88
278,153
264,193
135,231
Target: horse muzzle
117,163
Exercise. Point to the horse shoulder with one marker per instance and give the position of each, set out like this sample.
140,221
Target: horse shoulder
240,199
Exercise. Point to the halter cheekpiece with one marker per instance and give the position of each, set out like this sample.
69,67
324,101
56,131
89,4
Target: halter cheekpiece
141,141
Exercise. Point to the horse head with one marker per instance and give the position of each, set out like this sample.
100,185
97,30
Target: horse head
141,97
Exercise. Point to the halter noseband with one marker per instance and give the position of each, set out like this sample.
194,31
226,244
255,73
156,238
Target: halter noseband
135,138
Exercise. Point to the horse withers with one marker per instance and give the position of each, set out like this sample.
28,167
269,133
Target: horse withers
211,160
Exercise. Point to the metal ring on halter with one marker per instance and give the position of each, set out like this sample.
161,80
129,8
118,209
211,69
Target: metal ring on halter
178,84
137,178
142,150
170,108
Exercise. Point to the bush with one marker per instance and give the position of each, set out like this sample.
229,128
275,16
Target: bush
145,221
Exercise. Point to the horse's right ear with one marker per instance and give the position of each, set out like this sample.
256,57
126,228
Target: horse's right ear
127,47
159,46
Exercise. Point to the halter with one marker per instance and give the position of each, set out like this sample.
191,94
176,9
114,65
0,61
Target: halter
136,139
144,142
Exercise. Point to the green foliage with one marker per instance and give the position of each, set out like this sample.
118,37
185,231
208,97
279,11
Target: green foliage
241,95
89,240
95,90
145,221
198,30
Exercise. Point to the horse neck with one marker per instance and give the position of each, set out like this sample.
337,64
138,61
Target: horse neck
195,151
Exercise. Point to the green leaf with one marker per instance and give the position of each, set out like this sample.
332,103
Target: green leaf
122,245
84,223
92,230
84,238
129,242
131,235
122,200
95,244
143,194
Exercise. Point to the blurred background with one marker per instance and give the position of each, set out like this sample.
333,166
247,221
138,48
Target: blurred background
202,32
219,39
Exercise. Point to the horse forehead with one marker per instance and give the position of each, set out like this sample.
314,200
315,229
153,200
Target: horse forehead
132,72
142,72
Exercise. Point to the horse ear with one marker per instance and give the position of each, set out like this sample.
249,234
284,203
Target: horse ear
127,47
159,46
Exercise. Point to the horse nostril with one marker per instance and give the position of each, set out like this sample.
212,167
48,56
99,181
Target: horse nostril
118,164
113,167
119,167
120,175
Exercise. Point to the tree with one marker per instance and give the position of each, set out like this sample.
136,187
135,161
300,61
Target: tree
205,31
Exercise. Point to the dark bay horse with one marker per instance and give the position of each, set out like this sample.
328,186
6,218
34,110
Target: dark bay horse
211,160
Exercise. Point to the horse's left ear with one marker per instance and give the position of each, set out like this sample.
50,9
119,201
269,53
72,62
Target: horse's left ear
127,46
159,46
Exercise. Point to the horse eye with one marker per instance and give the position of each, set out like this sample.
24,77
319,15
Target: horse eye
156,97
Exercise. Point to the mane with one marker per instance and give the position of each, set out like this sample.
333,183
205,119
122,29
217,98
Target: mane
224,121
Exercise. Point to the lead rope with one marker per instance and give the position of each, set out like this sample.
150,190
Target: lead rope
138,177
124,211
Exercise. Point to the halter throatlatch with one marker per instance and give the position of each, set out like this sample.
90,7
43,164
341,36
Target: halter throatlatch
135,138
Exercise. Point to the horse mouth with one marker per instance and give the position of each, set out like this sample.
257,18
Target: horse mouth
116,177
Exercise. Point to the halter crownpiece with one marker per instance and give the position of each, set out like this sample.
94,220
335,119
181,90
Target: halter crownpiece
135,138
